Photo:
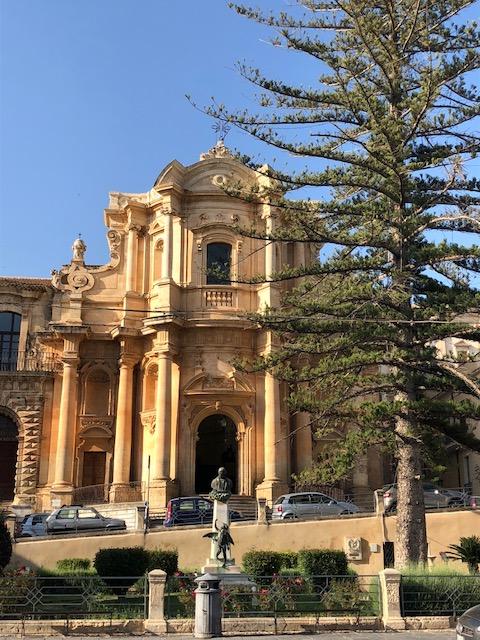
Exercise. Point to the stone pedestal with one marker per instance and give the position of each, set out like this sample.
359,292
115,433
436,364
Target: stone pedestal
390,580
156,597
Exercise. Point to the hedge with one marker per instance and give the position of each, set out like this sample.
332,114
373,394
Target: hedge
120,568
322,562
163,559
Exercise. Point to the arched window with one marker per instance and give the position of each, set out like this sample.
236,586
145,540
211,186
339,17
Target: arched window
9,338
219,260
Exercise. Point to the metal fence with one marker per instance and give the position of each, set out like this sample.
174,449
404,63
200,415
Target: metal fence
282,596
31,361
439,595
100,493
32,597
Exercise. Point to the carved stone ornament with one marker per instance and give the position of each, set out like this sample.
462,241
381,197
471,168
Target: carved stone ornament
74,277
393,592
353,548
217,151
148,421
218,383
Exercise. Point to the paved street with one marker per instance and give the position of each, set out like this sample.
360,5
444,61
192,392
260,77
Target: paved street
338,635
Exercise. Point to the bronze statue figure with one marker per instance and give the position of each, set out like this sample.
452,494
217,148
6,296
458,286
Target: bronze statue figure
223,541
221,486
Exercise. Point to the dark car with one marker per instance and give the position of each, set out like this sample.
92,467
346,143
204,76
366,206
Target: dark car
77,518
192,510
468,626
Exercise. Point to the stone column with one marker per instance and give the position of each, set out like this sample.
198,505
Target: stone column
303,441
269,249
272,485
62,485
123,431
390,585
159,488
132,252
156,596
167,247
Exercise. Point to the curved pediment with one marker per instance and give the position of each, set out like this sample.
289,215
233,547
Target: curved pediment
211,174
206,383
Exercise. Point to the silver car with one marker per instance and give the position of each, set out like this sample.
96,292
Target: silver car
434,496
76,518
468,625
309,505
34,525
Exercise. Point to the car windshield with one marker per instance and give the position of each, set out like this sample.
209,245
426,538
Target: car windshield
279,500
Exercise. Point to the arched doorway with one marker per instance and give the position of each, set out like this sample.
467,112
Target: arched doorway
8,456
216,447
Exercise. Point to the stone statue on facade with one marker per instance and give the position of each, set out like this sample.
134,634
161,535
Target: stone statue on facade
221,487
79,247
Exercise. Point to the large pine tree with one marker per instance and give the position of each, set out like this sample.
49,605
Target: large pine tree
387,131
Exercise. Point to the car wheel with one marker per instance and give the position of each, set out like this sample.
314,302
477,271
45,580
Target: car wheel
290,516
391,508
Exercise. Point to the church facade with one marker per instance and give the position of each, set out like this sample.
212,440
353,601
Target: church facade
121,377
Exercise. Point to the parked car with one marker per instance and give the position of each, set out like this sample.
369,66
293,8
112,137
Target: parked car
311,504
78,518
192,510
33,525
434,496
468,625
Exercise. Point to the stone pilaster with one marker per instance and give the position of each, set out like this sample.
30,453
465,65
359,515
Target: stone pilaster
303,441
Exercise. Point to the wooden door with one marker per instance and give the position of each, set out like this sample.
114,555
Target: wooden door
94,463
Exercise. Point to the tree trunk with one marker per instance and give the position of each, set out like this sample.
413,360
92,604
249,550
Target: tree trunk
411,546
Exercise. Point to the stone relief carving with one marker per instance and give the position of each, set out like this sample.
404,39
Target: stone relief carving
393,592
219,150
210,382
353,548
148,420
74,278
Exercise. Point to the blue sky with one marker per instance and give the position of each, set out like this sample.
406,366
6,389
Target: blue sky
93,100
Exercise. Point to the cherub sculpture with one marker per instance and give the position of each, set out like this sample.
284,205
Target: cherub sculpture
223,540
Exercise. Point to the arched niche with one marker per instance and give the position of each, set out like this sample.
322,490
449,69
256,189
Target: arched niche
149,387
157,260
97,392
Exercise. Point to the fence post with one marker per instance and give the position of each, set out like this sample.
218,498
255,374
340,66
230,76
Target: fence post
390,581
156,601
262,511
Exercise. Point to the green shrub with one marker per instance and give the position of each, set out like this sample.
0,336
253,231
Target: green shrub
5,544
120,568
74,565
322,562
14,588
262,563
163,559
289,559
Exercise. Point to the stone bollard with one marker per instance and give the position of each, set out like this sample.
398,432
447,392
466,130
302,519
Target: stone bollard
262,511
390,580
156,598
208,607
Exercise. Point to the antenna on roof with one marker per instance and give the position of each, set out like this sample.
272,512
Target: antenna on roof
221,128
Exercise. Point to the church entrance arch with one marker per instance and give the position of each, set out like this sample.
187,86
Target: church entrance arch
8,456
216,447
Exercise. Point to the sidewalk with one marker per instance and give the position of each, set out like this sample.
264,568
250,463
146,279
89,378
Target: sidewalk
448,634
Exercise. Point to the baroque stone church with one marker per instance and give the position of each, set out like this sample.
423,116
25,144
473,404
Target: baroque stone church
119,377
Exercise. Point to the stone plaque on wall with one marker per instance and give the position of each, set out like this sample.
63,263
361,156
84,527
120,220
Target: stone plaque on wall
353,548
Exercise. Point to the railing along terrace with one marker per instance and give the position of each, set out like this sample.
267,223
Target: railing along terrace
439,595
282,596
28,361
61,597
100,493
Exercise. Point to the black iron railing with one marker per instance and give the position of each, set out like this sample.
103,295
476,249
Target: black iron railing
26,596
439,595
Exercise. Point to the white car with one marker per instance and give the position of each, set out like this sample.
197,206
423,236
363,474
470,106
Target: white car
34,525
309,505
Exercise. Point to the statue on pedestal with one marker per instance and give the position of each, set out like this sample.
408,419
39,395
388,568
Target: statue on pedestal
221,487
223,541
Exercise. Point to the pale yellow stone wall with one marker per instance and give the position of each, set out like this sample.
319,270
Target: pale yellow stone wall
443,529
